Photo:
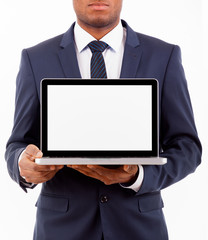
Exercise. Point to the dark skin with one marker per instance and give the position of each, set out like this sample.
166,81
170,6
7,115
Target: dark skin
97,17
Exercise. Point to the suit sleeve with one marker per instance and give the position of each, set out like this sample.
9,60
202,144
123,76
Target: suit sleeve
179,142
26,129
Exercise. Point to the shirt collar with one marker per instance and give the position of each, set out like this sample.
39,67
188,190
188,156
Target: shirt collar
114,38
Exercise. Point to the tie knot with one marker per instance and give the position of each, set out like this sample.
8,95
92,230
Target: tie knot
97,46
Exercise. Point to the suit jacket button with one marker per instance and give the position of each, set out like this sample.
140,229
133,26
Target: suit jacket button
104,199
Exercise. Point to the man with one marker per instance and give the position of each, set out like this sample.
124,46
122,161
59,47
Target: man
93,202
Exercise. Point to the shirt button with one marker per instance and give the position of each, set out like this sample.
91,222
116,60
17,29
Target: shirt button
104,199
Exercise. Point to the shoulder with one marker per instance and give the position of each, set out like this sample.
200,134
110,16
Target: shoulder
153,42
147,42
48,45
156,47
55,43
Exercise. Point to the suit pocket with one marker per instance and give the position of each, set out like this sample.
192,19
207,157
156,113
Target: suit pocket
150,202
53,203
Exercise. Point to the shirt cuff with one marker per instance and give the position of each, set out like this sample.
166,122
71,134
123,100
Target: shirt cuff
20,156
138,183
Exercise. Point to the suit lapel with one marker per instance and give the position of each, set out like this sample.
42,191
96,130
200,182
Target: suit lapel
67,55
132,54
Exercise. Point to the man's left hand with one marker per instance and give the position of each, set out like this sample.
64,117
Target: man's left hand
123,174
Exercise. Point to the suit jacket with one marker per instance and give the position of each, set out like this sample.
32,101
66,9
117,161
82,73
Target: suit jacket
75,207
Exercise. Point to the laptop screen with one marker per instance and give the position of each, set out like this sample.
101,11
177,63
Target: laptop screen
99,117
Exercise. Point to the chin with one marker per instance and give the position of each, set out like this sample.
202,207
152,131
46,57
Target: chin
101,22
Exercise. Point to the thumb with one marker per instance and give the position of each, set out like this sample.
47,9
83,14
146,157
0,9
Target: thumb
33,151
128,168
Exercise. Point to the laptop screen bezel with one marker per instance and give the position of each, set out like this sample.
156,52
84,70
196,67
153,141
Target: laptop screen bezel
97,153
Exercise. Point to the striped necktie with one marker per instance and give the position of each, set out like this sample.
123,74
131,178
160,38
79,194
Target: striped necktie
97,61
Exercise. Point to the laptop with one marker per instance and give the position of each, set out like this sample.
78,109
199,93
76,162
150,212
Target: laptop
99,122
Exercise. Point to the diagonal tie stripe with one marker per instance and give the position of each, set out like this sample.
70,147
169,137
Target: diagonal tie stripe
98,69
96,60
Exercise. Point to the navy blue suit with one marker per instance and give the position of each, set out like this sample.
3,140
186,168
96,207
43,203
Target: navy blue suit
72,206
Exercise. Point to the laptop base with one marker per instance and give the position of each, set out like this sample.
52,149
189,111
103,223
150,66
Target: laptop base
101,161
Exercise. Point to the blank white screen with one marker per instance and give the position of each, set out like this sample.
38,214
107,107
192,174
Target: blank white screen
105,117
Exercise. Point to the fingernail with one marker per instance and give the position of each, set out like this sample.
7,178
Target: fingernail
39,154
52,168
126,168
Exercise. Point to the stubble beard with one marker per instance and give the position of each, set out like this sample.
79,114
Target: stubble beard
99,22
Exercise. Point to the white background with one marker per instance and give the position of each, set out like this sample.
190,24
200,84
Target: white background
24,23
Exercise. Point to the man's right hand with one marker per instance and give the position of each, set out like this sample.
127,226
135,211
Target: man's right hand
32,172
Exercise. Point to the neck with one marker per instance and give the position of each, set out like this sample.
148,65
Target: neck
97,32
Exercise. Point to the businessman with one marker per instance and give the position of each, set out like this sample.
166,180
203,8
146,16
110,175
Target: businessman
93,202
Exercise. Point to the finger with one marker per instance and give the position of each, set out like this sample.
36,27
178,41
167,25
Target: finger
106,171
107,176
88,172
119,175
96,168
28,174
38,177
110,176
82,168
26,164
